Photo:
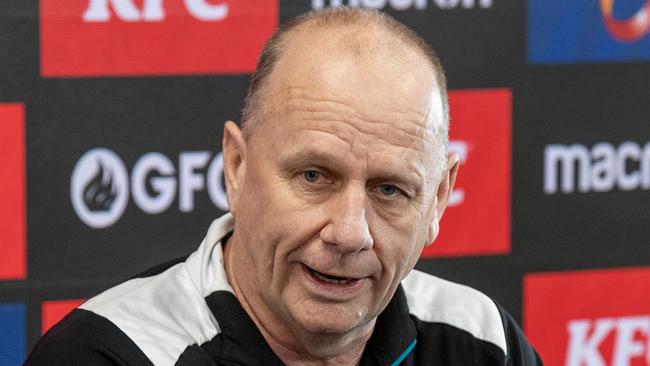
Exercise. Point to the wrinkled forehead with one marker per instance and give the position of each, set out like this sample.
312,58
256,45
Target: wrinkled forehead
366,67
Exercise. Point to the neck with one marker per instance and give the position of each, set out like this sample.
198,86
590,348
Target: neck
292,346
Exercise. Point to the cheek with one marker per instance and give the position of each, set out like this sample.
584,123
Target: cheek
399,248
405,258
279,207
275,223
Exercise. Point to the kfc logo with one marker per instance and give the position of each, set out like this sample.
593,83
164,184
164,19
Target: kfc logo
13,261
631,341
589,318
480,134
153,37
100,187
152,10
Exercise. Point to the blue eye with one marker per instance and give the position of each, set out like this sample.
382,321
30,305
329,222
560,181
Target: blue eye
388,190
311,176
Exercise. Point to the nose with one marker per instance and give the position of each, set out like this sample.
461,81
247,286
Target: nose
348,227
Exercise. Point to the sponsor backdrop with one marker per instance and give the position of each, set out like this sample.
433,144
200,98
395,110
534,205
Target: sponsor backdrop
111,116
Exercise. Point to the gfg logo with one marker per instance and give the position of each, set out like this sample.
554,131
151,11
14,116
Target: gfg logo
99,188
100,184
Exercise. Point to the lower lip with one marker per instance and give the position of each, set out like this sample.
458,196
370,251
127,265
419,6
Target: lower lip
334,291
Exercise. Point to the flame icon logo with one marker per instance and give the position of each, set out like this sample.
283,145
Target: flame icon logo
628,30
99,194
99,188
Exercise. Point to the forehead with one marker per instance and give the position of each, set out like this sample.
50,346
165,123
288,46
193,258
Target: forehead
356,86
357,64
347,117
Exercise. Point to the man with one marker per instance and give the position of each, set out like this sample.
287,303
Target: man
336,181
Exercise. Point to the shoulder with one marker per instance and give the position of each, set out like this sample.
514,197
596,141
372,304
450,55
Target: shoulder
432,299
84,338
474,316
164,311
160,312
169,306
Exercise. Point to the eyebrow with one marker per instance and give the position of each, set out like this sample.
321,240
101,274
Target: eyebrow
328,159
309,156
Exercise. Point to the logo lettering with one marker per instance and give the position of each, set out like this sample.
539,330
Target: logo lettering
403,4
586,337
600,169
152,10
627,347
190,180
164,184
100,184
584,348
609,326
100,38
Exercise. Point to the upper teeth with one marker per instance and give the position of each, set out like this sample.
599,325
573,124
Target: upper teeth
323,278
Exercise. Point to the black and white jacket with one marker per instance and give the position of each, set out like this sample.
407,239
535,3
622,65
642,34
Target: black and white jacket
184,312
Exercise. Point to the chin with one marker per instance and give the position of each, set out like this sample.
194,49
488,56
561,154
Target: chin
330,319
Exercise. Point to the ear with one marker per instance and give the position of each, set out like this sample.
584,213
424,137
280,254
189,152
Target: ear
442,195
234,162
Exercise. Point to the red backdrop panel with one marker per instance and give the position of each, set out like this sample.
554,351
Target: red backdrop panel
53,311
599,317
477,221
12,192
170,39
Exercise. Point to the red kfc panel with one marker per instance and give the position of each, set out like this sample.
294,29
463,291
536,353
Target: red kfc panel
53,311
477,221
584,318
12,192
153,37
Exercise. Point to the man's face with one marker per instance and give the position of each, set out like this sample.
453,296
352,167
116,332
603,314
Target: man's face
336,191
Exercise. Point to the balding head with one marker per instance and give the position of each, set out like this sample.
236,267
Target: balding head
355,32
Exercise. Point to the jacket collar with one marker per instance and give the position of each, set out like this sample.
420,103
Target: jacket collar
240,341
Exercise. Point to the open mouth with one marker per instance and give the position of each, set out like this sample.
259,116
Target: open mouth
331,279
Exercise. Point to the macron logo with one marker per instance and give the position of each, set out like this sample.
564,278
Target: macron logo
631,336
602,168
152,10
